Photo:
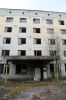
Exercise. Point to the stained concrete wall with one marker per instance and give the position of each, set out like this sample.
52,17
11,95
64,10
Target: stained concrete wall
29,35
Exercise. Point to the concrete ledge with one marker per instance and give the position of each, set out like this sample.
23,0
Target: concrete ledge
11,58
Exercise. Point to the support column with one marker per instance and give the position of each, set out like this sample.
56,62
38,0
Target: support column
41,74
6,71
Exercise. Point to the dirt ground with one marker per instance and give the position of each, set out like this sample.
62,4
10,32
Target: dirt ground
40,92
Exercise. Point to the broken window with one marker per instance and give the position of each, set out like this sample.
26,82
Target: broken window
5,52
9,19
65,53
64,41
50,31
36,21
22,41
21,52
63,31
22,30
61,22
51,41
36,30
8,29
6,40
37,41
21,69
52,53
37,53
49,21
23,20
51,68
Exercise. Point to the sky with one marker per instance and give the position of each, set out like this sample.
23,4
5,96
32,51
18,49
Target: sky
46,5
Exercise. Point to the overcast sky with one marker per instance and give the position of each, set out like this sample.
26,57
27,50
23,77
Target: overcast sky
47,5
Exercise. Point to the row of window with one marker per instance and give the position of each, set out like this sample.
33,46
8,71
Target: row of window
20,69
35,41
35,30
23,69
36,53
36,21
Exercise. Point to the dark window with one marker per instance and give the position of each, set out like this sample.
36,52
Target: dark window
8,29
52,53
51,68
61,22
65,67
37,41
23,20
51,41
22,41
64,42
18,69
36,21
21,69
5,52
21,52
9,19
6,40
22,30
1,68
65,53
36,30
49,21
63,31
37,53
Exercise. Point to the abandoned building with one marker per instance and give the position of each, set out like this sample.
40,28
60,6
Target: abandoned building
30,41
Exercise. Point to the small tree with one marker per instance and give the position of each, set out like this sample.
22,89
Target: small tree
55,47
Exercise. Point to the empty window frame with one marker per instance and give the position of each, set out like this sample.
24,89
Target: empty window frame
51,68
36,30
21,52
50,31
52,53
65,67
6,40
37,41
51,41
64,41
8,29
36,21
22,30
37,53
62,31
5,52
65,53
21,41
1,68
21,69
49,21
9,19
61,22
23,20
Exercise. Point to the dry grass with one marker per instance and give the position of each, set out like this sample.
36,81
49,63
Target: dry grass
23,86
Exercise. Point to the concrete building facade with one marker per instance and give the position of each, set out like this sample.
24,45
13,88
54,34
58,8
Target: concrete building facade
31,34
